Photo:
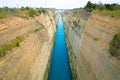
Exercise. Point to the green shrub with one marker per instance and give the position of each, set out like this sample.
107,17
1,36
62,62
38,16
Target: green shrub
23,12
3,14
14,43
115,45
95,38
32,12
38,29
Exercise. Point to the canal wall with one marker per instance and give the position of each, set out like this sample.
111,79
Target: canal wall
88,37
30,59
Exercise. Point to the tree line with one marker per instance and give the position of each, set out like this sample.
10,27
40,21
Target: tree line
100,6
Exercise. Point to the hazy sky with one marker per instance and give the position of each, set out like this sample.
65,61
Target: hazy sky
59,4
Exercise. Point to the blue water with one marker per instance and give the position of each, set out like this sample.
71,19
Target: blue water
59,67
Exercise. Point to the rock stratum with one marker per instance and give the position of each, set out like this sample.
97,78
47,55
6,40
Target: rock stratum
30,59
88,37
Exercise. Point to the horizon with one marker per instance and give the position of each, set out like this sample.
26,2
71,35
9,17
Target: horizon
68,4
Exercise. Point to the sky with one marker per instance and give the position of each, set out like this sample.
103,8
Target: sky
58,4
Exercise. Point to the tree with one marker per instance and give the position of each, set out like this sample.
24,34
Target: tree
90,6
100,6
109,6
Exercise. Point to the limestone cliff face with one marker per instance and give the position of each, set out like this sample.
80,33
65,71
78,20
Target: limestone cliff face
89,52
74,22
30,60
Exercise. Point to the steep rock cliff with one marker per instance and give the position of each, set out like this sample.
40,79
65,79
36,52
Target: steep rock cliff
89,51
30,60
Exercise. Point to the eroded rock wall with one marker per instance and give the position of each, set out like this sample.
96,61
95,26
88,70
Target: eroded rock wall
74,22
30,60
89,51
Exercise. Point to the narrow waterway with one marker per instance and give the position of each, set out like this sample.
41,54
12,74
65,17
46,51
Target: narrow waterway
59,66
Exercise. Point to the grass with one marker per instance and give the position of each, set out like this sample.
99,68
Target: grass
114,12
14,43
21,12
4,13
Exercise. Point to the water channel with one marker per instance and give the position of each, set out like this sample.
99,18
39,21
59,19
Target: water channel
59,66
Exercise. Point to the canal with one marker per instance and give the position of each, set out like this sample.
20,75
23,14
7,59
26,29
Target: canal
59,66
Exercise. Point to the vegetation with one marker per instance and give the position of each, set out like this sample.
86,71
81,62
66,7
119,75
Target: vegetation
74,75
38,29
23,12
14,43
95,38
114,12
32,12
72,58
5,12
115,45
91,36
104,8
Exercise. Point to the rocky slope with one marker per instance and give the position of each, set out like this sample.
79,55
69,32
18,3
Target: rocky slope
30,60
88,45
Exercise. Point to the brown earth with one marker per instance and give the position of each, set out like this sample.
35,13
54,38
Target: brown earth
94,50
28,61
89,51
